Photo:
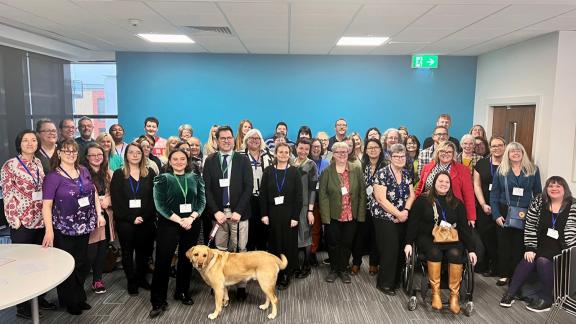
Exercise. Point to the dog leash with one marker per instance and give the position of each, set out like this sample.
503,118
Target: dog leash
213,233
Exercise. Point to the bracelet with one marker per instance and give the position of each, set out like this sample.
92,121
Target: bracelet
406,209
310,210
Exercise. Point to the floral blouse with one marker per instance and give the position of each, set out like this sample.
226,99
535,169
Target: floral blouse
396,193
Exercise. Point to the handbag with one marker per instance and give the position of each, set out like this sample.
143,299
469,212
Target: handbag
443,234
516,214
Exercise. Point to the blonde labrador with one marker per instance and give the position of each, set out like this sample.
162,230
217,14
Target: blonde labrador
221,269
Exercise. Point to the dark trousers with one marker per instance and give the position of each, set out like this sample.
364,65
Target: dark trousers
452,253
71,292
96,255
510,250
486,228
24,235
389,243
257,231
207,225
137,243
340,236
170,235
365,242
544,268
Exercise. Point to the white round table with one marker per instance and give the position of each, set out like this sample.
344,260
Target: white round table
28,270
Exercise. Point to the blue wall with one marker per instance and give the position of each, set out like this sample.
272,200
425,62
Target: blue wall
381,91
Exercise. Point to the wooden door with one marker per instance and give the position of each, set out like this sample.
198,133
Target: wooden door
515,124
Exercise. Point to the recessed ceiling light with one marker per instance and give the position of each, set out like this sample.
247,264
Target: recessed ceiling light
165,38
362,41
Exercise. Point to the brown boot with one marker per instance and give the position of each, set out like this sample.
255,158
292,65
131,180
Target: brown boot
434,278
454,280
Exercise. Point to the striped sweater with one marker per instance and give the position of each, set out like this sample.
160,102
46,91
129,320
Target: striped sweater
532,222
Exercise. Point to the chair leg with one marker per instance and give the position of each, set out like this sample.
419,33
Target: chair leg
454,281
434,278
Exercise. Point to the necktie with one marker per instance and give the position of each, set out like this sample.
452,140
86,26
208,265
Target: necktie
225,190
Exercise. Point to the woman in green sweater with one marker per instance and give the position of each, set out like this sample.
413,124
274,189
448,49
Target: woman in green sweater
179,199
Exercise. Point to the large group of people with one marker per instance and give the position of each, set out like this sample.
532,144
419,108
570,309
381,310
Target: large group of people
475,200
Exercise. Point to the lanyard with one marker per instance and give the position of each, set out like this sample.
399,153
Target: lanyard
122,149
398,186
35,180
280,186
44,153
77,181
255,163
185,189
225,170
554,219
134,191
318,163
441,209
492,168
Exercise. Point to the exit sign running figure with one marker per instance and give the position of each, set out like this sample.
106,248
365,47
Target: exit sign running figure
424,61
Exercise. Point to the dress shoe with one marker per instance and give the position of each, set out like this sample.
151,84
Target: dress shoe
303,273
185,298
387,291
355,269
241,294
46,305
84,306
156,311
74,310
373,270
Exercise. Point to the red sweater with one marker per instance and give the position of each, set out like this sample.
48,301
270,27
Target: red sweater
461,185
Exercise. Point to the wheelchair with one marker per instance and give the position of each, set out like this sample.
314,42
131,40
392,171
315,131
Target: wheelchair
416,267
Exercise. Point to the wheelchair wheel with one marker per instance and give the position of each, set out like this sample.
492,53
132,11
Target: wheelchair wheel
408,276
412,303
468,308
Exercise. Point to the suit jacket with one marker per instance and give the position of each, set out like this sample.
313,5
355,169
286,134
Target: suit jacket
461,183
241,185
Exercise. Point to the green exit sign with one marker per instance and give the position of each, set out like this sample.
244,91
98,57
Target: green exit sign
424,61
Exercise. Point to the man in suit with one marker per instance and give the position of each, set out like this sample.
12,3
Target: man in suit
228,180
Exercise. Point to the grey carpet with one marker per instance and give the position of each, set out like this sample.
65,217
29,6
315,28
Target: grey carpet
310,300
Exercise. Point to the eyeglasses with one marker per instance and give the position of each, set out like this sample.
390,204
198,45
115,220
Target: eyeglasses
323,140
340,152
399,156
441,134
392,138
372,148
184,149
445,152
341,125
51,131
69,152
515,151
95,155
255,139
497,146
68,127
137,153
226,138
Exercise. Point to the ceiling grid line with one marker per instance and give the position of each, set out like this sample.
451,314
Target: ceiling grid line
217,4
347,27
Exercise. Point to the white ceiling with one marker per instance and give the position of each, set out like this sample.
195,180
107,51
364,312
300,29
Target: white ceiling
95,29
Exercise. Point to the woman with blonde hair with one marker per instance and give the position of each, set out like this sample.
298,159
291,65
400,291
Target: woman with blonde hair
358,145
106,141
210,146
515,183
243,128
171,143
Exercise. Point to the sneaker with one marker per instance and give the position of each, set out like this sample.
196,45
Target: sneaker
331,277
506,301
539,306
345,277
502,282
98,287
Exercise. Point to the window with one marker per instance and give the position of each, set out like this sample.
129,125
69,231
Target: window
94,94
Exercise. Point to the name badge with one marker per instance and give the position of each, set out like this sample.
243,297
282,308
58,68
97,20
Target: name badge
369,190
185,208
83,202
224,183
445,224
344,190
490,187
518,191
279,200
135,203
553,233
37,195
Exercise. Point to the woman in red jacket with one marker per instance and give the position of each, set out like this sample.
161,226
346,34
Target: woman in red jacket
444,160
